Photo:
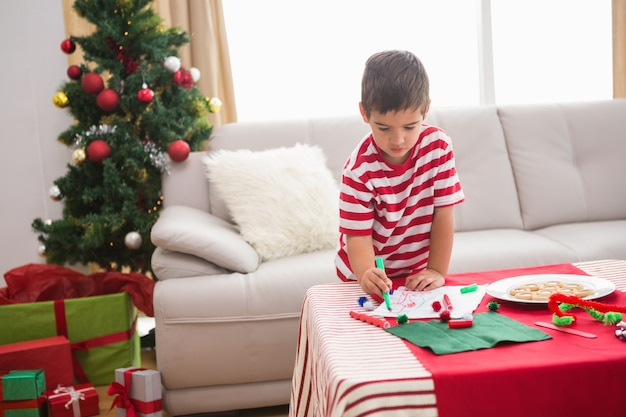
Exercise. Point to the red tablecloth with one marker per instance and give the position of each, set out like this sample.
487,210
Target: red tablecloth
567,375
347,368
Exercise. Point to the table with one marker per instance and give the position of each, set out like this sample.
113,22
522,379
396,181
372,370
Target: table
345,367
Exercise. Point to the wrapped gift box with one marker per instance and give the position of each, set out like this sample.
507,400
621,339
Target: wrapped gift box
101,331
142,387
21,393
22,384
35,407
52,354
73,401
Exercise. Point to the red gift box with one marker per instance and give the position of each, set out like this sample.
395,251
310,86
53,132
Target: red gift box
74,401
52,354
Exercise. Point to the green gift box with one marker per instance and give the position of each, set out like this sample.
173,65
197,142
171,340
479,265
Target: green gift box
21,393
101,331
22,384
36,407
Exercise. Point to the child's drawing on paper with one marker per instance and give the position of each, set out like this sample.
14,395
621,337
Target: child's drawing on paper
405,302
418,304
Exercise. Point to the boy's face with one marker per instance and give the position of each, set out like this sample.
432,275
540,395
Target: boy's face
395,133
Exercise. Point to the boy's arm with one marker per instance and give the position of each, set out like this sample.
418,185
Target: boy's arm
441,238
360,251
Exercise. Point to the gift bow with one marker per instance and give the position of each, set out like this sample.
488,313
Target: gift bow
122,399
75,396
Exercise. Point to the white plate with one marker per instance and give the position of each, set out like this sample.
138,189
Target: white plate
500,289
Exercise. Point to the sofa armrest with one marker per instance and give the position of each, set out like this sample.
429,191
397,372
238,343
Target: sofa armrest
196,232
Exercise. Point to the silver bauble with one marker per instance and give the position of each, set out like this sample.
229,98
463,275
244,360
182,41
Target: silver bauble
132,240
55,193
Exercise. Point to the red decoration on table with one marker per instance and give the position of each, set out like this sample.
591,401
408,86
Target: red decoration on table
68,46
444,316
98,150
108,99
436,306
74,401
612,312
178,150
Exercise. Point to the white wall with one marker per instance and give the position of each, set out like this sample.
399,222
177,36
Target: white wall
33,67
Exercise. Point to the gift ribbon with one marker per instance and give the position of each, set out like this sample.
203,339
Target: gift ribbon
61,325
21,404
123,400
75,395
1,383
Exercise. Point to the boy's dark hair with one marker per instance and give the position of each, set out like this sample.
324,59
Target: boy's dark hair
394,81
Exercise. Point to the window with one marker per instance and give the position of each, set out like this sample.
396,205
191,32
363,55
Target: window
556,50
294,59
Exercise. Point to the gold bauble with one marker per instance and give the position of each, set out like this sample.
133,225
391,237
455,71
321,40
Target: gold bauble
215,104
78,156
60,99
142,175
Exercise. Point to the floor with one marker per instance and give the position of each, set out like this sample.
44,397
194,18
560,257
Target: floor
148,360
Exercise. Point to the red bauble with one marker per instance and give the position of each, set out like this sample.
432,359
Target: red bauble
68,46
108,100
74,72
183,78
92,83
98,150
178,150
145,95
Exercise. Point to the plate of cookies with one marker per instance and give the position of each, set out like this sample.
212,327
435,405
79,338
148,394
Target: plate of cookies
538,288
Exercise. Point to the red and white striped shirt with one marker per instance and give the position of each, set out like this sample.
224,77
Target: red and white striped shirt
395,203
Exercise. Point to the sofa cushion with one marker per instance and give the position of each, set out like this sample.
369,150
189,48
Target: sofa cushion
284,200
483,250
568,160
590,240
195,232
483,165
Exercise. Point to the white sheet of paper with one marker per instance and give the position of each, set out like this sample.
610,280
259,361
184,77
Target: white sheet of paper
419,304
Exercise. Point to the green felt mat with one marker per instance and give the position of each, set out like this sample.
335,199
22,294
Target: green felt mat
488,330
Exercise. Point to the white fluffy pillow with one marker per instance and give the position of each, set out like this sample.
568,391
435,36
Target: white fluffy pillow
284,200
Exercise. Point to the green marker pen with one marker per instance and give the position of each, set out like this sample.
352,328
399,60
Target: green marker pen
381,265
469,288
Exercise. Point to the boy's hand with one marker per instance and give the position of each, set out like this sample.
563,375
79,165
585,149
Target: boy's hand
425,280
375,281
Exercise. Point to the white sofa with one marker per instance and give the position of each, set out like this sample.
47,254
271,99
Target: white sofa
544,184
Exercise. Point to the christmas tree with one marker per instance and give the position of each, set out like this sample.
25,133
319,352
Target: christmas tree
136,112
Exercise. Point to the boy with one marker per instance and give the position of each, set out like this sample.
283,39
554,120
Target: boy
399,185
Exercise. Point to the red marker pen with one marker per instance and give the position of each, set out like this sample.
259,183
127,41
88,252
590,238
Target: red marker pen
376,321
447,302
460,324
